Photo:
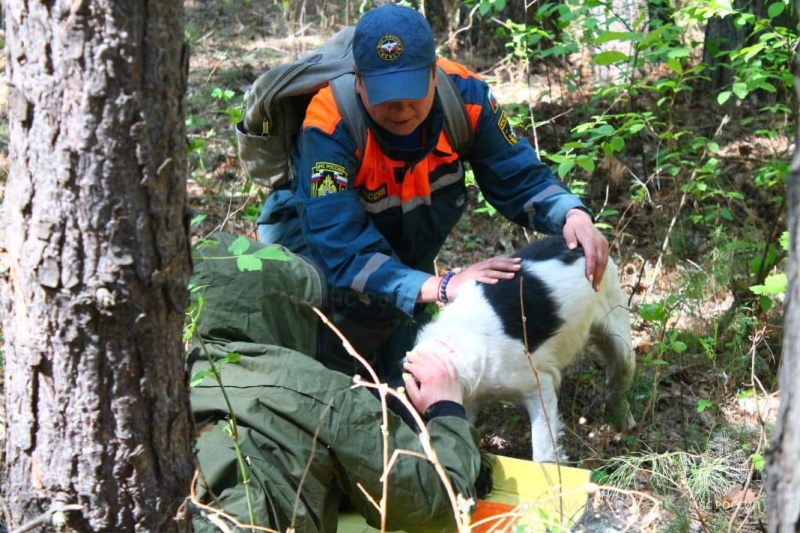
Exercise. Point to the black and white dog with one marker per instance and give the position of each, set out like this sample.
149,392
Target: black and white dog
550,311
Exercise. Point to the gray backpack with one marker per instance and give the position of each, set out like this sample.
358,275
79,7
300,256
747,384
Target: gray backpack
275,107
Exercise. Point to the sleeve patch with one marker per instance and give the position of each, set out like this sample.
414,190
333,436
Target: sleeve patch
493,102
374,195
327,178
506,130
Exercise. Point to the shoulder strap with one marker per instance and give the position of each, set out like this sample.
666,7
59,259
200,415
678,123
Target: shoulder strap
456,122
344,94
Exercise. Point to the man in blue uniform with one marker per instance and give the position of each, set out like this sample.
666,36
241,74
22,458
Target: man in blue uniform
375,221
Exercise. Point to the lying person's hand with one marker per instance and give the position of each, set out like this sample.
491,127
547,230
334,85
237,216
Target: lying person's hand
430,378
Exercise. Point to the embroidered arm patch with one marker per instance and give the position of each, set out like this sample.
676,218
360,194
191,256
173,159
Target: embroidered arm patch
506,130
327,178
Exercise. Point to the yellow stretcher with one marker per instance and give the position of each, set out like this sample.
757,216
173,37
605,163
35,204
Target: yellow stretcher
535,496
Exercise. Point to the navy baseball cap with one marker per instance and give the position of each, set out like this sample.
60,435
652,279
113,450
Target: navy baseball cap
393,50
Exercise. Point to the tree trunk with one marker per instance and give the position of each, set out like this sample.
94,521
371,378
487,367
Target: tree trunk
783,472
96,264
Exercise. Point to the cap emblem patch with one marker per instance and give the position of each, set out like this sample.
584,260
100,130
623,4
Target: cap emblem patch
390,47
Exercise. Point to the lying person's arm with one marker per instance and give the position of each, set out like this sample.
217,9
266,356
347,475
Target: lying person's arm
416,495
303,426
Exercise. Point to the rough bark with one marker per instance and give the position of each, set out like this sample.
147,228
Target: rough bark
783,472
96,263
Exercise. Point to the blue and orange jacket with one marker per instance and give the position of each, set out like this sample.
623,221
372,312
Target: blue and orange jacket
376,221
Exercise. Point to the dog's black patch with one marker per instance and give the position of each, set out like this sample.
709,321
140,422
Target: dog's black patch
538,304
550,248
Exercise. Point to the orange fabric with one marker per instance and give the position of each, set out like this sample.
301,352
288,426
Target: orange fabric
473,113
452,67
473,110
323,114
495,515
378,174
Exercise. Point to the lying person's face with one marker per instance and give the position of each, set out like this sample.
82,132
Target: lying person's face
400,117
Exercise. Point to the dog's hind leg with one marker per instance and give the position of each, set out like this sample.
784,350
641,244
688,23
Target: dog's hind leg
545,423
611,333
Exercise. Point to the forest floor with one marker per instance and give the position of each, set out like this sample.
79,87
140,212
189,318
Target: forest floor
710,403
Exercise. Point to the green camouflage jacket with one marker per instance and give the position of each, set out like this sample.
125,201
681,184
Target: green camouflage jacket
311,440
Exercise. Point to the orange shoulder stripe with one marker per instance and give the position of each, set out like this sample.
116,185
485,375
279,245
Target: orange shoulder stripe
474,114
322,112
451,67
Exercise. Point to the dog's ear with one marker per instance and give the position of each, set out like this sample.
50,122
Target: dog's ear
485,482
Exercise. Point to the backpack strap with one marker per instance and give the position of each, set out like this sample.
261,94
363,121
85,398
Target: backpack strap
344,94
456,122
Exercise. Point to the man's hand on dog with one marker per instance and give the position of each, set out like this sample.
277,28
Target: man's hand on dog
579,230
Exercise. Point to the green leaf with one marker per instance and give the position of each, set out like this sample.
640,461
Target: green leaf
736,195
776,9
637,127
740,90
197,219
617,143
197,378
784,240
231,357
653,312
775,284
609,36
565,167
272,253
759,462
678,346
675,66
702,405
573,145
586,163
248,263
745,394
239,246
609,58
654,37
604,130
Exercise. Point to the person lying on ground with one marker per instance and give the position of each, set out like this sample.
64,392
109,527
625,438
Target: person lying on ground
309,439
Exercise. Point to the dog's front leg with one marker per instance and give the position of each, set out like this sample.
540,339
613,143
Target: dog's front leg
542,408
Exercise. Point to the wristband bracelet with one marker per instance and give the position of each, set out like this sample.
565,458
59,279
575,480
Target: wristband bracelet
443,287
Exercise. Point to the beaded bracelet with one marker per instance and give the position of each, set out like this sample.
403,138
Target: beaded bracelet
443,287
